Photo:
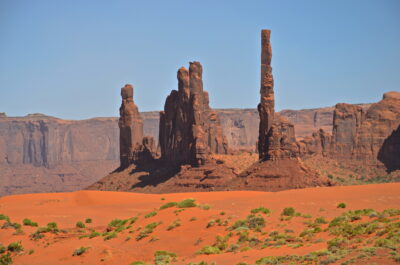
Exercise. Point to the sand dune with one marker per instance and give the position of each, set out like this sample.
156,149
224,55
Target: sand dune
66,209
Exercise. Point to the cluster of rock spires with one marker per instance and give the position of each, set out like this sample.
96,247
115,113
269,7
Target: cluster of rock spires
190,132
189,129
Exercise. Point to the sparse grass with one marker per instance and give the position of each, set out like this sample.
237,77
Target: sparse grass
109,235
174,224
117,223
28,222
204,206
4,217
341,205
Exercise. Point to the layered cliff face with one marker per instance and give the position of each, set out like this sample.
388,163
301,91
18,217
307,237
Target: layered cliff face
189,129
46,141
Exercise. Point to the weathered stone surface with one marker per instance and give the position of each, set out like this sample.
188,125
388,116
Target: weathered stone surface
189,130
266,108
368,136
130,128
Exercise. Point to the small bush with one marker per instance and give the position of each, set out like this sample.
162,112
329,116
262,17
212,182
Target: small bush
341,205
168,205
204,206
187,203
174,224
80,224
288,211
88,220
94,234
2,249
117,223
4,217
109,235
80,251
209,250
150,214
6,259
260,210
28,222
320,220
163,257
15,247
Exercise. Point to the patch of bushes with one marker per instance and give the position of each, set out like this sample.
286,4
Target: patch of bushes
6,259
28,222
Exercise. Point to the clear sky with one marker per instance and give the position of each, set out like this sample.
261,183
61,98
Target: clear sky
70,58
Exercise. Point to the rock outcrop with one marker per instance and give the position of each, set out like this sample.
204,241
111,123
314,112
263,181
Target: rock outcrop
189,129
130,128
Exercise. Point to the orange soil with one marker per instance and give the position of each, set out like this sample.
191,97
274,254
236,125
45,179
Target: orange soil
67,208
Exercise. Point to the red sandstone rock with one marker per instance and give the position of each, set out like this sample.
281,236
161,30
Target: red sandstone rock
130,126
189,130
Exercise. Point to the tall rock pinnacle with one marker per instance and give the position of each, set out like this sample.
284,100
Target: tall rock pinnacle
130,128
266,108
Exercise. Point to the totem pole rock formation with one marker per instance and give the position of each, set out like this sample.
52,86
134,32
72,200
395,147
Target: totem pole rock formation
189,129
276,138
130,128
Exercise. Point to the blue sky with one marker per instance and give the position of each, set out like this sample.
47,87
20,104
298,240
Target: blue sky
70,58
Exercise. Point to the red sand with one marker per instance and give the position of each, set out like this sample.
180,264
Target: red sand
67,208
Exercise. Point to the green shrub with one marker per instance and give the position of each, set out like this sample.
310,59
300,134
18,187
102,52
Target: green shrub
80,251
187,203
15,247
4,217
6,259
28,222
320,220
168,205
94,234
288,211
163,257
208,250
2,249
117,223
341,205
88,220
109,235
150,214
260,210
80,224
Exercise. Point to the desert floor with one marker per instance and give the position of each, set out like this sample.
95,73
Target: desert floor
221,227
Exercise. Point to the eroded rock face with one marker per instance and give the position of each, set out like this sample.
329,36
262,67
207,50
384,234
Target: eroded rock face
130,128
189,130
367,135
